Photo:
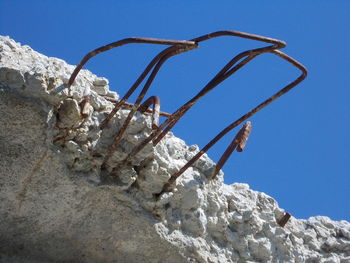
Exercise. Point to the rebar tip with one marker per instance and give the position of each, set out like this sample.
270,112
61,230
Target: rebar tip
283,221
243,136
84,106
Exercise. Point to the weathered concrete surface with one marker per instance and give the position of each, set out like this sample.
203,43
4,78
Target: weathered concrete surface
55,205
49,214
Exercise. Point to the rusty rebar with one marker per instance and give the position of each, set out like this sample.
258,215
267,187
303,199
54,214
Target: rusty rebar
235,64
165,54
130,105
238,143
168,185
84,107
190,45
223,74
155,101
243,135
179,43
284,219
131,40
159,132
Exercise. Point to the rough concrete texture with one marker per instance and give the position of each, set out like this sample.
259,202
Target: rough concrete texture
56,204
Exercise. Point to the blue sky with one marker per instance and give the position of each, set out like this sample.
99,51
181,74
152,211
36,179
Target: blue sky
299,148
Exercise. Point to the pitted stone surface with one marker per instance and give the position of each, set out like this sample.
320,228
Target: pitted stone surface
57,205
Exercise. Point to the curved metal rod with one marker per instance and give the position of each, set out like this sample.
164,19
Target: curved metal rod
250,54
278,44
155,101
166,54
168,185
224,73
130,105
170,122
139,40
191,45
221,76
238,142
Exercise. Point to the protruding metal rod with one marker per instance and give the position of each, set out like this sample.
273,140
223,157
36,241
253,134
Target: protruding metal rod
238,143
178,114
181,48
167,187
130,105
221,76
230,68
84,107
155,101
227,71
166,54
131,40
243,135
283,221
171,121
181,44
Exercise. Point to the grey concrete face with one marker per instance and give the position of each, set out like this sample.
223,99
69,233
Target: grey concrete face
48,214
55,207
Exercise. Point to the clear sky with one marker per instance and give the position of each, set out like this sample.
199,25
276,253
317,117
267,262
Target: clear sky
299,148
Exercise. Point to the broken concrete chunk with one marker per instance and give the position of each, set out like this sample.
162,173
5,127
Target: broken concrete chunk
101,90
100,82
100,85
68,113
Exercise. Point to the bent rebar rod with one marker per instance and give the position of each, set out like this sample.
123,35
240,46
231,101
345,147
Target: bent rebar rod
178,46
227,71
238,143
167,187
130,40
158,61
155,101
130,105
180,49
138,40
